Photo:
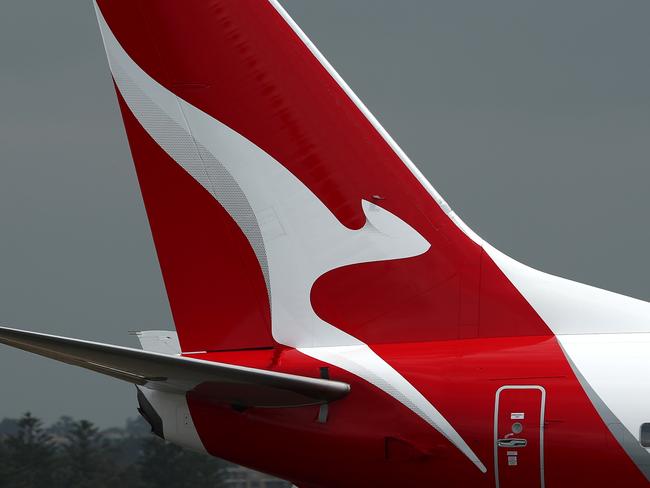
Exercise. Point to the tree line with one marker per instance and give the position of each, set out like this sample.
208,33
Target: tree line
76,454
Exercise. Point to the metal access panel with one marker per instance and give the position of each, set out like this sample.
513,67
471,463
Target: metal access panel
519,436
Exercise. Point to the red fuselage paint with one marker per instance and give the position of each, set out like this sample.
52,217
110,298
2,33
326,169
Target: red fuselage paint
370,439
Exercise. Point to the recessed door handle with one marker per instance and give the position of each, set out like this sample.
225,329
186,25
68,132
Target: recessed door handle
512,442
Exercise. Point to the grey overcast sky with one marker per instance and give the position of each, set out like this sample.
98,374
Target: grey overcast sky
532,117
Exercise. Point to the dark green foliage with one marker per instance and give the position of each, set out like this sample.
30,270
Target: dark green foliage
86,457
166,465
61,427
30,455
75,454
3,467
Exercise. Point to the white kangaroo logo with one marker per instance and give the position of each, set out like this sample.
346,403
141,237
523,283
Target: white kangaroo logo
295,236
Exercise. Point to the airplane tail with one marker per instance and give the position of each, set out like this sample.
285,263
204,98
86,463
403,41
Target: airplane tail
282,214
278,204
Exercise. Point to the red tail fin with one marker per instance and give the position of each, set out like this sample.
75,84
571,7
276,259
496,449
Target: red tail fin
281,210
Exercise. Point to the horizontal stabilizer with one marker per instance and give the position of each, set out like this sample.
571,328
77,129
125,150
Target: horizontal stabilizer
226,383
